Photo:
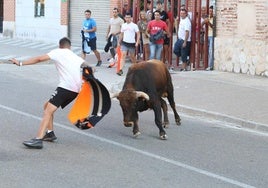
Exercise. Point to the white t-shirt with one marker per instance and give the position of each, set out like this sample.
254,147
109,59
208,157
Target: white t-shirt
68,66
129,30
185,25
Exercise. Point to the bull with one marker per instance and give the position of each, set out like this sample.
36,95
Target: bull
145,86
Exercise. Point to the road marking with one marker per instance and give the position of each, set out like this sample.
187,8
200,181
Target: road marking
22,58
12,42
30,44
130,148
8,57
40,45
49,46
5,40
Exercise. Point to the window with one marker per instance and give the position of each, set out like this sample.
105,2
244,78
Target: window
39,8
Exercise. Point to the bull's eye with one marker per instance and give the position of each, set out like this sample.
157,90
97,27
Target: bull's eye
134,106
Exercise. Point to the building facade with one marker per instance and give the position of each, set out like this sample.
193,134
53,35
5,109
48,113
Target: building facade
241,35
241,42
36,20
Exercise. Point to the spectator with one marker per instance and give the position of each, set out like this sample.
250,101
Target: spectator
200,29
149,10
127,9
114,29
154,26
129,39
210,24
142,24
164,17
183,44
89,32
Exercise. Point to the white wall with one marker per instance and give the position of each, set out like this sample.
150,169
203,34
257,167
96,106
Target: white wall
47,28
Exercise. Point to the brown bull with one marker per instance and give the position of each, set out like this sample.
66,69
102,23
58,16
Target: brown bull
145,85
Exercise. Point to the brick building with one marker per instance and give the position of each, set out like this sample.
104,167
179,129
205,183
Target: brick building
241,42
241,36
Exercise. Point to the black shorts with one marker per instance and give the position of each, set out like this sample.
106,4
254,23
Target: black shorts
92,43
166,40
62,97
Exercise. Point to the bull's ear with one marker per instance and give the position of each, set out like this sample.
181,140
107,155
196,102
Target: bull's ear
142,94
114,95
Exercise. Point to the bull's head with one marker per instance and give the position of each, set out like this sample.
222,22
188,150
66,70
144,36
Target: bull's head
130,102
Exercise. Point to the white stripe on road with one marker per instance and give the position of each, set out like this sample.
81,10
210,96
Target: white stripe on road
145,153
8,57
5,40
13,42
49,46
38,45
30,44
22,58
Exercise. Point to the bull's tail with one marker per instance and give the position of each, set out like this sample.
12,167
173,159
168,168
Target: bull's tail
170,97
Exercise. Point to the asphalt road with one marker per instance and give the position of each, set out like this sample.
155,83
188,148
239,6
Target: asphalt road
197,154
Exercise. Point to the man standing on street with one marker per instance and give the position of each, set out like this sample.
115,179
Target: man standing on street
68,66
89,32
113,31
155,26
183,44
164,17
209,22
129,41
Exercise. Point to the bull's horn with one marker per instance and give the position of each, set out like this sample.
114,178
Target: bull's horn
142,94
114,95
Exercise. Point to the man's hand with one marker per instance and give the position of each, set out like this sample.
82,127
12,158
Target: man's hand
16,62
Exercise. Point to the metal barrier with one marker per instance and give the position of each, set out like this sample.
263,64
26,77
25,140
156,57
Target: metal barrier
197,10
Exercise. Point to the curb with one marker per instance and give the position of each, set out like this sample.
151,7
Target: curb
230,120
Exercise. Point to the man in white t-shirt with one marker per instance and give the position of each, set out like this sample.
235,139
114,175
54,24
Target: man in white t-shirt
128,39
68,65
183,44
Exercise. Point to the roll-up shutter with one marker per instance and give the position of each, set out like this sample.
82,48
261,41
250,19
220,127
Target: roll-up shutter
100,11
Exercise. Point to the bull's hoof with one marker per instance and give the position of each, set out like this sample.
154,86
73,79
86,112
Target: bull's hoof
166,124
178,122
135,135
128,125
163,137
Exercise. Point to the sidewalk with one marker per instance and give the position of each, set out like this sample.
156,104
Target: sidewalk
235,99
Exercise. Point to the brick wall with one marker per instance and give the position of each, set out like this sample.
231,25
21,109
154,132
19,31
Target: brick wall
241,42
64,13
9,10
117,4
228,15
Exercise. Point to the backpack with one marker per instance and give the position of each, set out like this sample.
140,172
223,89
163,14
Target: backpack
158,35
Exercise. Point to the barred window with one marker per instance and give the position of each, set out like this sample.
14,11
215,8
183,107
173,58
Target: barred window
39,8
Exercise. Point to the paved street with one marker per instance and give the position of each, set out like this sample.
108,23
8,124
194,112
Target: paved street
23,49
222,141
